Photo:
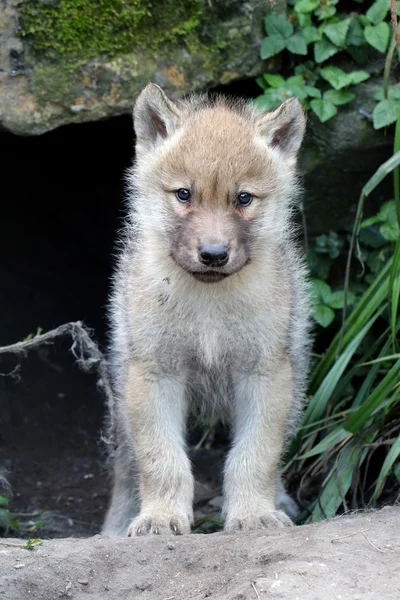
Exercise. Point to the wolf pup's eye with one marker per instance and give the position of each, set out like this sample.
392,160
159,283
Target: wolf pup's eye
244,199
183,195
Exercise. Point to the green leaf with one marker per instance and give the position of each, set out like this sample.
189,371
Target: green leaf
324,109
355,35
294,86
320,290
323,315
267,101
312,91
324,49
336,436
355,77
278,25
337,32
339,79
261,82
385,113
311,34
336,299
378,11
366,311
359,53
390,459
393,93
394,290
272,45
336,487
275,81
390,231
378,396
396,471
306,6
390,228
339,97
3,500
378,36
297,44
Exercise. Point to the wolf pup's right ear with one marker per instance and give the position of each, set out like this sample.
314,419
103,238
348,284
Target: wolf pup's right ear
156,117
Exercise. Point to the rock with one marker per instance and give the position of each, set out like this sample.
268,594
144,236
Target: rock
68,61
339,157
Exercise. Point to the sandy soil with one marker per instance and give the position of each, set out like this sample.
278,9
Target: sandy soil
353,557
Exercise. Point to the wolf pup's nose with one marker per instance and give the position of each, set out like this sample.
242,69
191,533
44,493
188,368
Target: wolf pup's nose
213,255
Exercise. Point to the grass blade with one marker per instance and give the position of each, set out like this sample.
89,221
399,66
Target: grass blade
319,401
359,418
370,302
388,463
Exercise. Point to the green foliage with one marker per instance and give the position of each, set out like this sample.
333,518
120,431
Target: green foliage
32,544
354,405
11,522
322,29
281,35
77,28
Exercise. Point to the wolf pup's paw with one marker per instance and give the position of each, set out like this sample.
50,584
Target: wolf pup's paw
145,524
273,519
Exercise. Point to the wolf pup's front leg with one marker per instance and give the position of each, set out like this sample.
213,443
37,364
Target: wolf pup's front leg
156,411
262,406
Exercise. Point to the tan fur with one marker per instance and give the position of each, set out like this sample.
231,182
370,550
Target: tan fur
230,339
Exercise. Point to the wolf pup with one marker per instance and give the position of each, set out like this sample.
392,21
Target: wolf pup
209,310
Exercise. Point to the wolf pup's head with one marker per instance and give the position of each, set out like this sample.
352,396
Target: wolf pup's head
213,179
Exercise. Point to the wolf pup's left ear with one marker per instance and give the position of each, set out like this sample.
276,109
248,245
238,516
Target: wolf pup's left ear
155,117
284,128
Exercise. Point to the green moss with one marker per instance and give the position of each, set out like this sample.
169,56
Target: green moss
88,28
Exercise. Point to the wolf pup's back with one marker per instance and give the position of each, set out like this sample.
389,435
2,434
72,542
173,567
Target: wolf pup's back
209,308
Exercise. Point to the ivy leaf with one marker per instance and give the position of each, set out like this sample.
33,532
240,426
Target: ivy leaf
390,230
390,227
306,6
295,87
337,32
320,290
311,34
275,81
356,34
312,91
324,109
377,36
297,44
323,314
378,11
278,25
385,113
324,49
268,101
339,97
260,81
339,79
359,53
396,471
393,93
272,45
304,20
355,77
335,76
336,299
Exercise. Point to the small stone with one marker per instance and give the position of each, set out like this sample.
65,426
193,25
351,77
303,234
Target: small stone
83,581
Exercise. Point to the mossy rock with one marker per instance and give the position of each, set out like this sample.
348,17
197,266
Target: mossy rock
69,61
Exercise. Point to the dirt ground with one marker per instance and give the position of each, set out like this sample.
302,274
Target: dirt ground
353,557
